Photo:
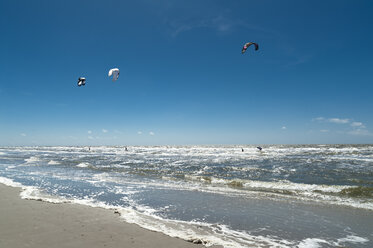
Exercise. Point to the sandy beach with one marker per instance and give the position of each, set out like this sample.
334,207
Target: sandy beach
29,223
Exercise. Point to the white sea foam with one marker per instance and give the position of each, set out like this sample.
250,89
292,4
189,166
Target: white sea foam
277,185
52,162
33,193
30,192
352,239
312,243
83,165
208,234
32,160
317,242
301,187
9,182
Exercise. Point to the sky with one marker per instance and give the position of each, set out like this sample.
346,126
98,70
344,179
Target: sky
183,79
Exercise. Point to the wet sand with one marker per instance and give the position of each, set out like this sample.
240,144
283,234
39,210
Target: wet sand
29,223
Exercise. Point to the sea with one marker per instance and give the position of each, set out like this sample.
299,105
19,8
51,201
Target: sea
233,196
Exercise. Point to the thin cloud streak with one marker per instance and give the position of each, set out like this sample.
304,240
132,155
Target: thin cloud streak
338,120
331,120
356,127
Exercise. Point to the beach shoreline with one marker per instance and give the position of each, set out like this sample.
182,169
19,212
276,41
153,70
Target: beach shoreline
30,223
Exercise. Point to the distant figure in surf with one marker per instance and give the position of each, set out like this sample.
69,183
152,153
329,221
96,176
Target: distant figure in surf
242,149
259,148
126,149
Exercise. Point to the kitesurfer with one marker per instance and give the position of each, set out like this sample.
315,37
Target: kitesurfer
81,81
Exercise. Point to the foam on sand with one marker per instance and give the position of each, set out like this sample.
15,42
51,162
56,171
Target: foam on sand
38,224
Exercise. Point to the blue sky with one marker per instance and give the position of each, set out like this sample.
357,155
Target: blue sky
183,78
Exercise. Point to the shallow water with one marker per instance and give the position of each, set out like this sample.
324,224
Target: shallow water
283,196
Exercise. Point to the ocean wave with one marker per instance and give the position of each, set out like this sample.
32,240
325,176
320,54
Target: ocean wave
282,185
345,195
52,162
32,159
318,242
9,182
84,165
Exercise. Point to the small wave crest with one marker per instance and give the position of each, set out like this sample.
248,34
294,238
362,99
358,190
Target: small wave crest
84,165
352,196
52,162
32,159
318,243
9,182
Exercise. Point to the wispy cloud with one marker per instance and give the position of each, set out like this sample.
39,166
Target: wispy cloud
90,137
338,120
283,128
360,131
139,132
358,128
220,23
355,127
331,120
318,119
223,22
298,60
104,131
89,132
357,124
151,133
23,134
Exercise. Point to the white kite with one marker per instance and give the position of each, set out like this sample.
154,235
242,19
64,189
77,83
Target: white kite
115,73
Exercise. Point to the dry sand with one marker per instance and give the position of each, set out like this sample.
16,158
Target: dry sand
29,223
